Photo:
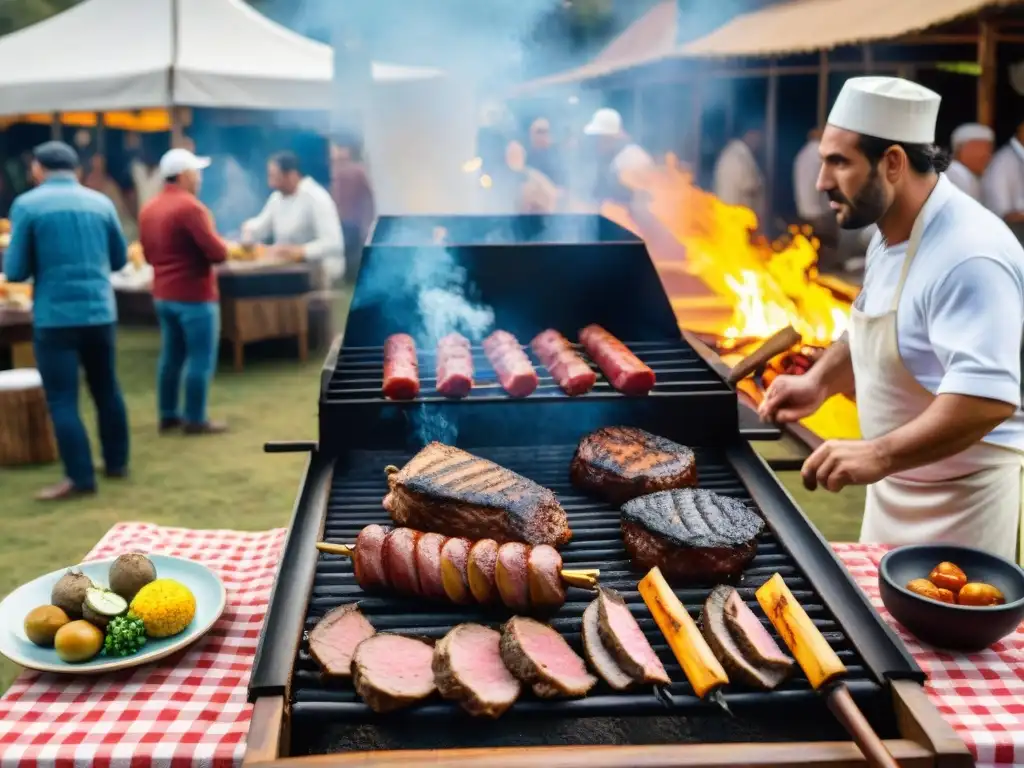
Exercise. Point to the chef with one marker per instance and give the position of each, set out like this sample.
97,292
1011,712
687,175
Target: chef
933,349
1002,186
738,176
972,145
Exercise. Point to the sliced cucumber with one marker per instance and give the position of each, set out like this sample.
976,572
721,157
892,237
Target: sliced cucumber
105,603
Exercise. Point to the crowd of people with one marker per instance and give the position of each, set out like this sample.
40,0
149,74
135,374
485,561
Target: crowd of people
70,232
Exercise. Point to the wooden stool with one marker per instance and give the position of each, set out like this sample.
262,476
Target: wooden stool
26,432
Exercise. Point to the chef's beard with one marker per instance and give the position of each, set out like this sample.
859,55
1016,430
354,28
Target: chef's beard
866,207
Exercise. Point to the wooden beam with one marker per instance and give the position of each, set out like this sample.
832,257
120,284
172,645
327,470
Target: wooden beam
987,81
771,121
823,73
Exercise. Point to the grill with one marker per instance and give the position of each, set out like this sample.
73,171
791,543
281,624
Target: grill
494,230
360,434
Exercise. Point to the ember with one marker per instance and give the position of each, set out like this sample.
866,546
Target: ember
735,291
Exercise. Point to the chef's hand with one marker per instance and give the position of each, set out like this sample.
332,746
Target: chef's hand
791,398
839,463
287,252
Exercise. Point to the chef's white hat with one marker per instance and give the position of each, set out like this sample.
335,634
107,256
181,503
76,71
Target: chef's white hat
971,132
887,107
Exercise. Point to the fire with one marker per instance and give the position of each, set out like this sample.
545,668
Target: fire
738,291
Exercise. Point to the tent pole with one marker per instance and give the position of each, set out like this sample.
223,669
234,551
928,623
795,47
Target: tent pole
822,87
176,133
771,141
987,81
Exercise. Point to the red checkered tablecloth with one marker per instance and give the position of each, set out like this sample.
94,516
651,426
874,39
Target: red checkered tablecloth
191,710
187,710
980,694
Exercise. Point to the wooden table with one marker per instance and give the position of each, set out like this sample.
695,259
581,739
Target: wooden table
16,335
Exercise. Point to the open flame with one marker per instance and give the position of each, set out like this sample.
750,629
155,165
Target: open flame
731,288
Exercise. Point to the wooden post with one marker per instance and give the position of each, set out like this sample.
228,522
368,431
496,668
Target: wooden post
823,91
869,59
771,121
987,81
56,127
101,133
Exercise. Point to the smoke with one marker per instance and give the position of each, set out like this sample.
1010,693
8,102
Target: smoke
432,424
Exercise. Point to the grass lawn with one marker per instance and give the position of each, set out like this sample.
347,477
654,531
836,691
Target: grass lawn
223,481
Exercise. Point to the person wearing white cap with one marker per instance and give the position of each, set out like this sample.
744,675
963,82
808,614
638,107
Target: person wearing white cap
972,145
615,147
738,177
180,242
932,353
1002,186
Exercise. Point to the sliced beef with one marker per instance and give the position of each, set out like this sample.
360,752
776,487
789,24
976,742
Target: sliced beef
334,639
622,463
400,560
547,592
692,534
624,370
401,368
624,639
455,570
393,672
600,659
566,366
740,642
454,366
538,656
468,669
446,490
515,371
483,559
428,565
369,558
511,576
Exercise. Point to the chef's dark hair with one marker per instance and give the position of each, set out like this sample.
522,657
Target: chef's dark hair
287,162
923,158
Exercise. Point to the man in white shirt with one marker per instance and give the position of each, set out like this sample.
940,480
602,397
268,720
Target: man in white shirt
811,205
1002,186
622,154
972,145
738,177
300,218
934,343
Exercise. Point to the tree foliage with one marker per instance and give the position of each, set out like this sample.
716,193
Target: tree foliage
16,14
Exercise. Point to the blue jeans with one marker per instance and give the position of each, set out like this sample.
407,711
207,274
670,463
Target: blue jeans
190,332
59,353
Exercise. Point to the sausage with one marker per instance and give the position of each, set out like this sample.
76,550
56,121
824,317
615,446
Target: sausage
515,371
454,366
401,368
368,562
566,366
511,577
428,565
624,370
483,556
454,575
400,560
545,575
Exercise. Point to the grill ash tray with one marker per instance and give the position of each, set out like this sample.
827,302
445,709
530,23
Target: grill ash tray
355,501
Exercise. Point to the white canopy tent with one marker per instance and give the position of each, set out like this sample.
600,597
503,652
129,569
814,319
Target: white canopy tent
105,55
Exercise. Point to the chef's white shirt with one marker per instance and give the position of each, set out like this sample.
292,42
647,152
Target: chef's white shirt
738,178
961,315
810,203
1002,186
308,218
964,178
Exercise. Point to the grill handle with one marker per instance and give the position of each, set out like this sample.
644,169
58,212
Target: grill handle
289,446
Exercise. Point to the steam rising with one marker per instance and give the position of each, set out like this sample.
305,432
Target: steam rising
431,425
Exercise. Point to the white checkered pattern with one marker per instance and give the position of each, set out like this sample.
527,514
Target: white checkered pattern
980,694
187,710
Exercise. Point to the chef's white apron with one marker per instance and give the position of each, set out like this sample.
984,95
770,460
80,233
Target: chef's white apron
975,498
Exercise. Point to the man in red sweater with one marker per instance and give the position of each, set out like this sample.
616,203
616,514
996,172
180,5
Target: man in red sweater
181,243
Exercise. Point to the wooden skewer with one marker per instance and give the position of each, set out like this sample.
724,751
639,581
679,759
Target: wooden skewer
775,345
822,667
585,578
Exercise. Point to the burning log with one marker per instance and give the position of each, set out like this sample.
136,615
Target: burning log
780,342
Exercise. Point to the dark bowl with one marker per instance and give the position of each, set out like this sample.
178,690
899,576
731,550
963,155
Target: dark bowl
951,627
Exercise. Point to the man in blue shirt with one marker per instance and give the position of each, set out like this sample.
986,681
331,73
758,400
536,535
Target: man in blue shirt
68,240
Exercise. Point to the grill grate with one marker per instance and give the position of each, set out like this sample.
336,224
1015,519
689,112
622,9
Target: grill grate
358,376
355,500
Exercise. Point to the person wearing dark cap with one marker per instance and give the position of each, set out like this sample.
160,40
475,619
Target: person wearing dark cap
68,240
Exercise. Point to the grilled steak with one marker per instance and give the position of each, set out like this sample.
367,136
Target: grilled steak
446,490
454,366
624,370
538,656
401,368
573,374
740,642
624,639
545,574
622,463
392,672
468,669
600,659
510,362
691,534
334,639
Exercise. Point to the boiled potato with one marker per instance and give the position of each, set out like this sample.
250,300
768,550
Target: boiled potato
925,588
948,576
979,593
